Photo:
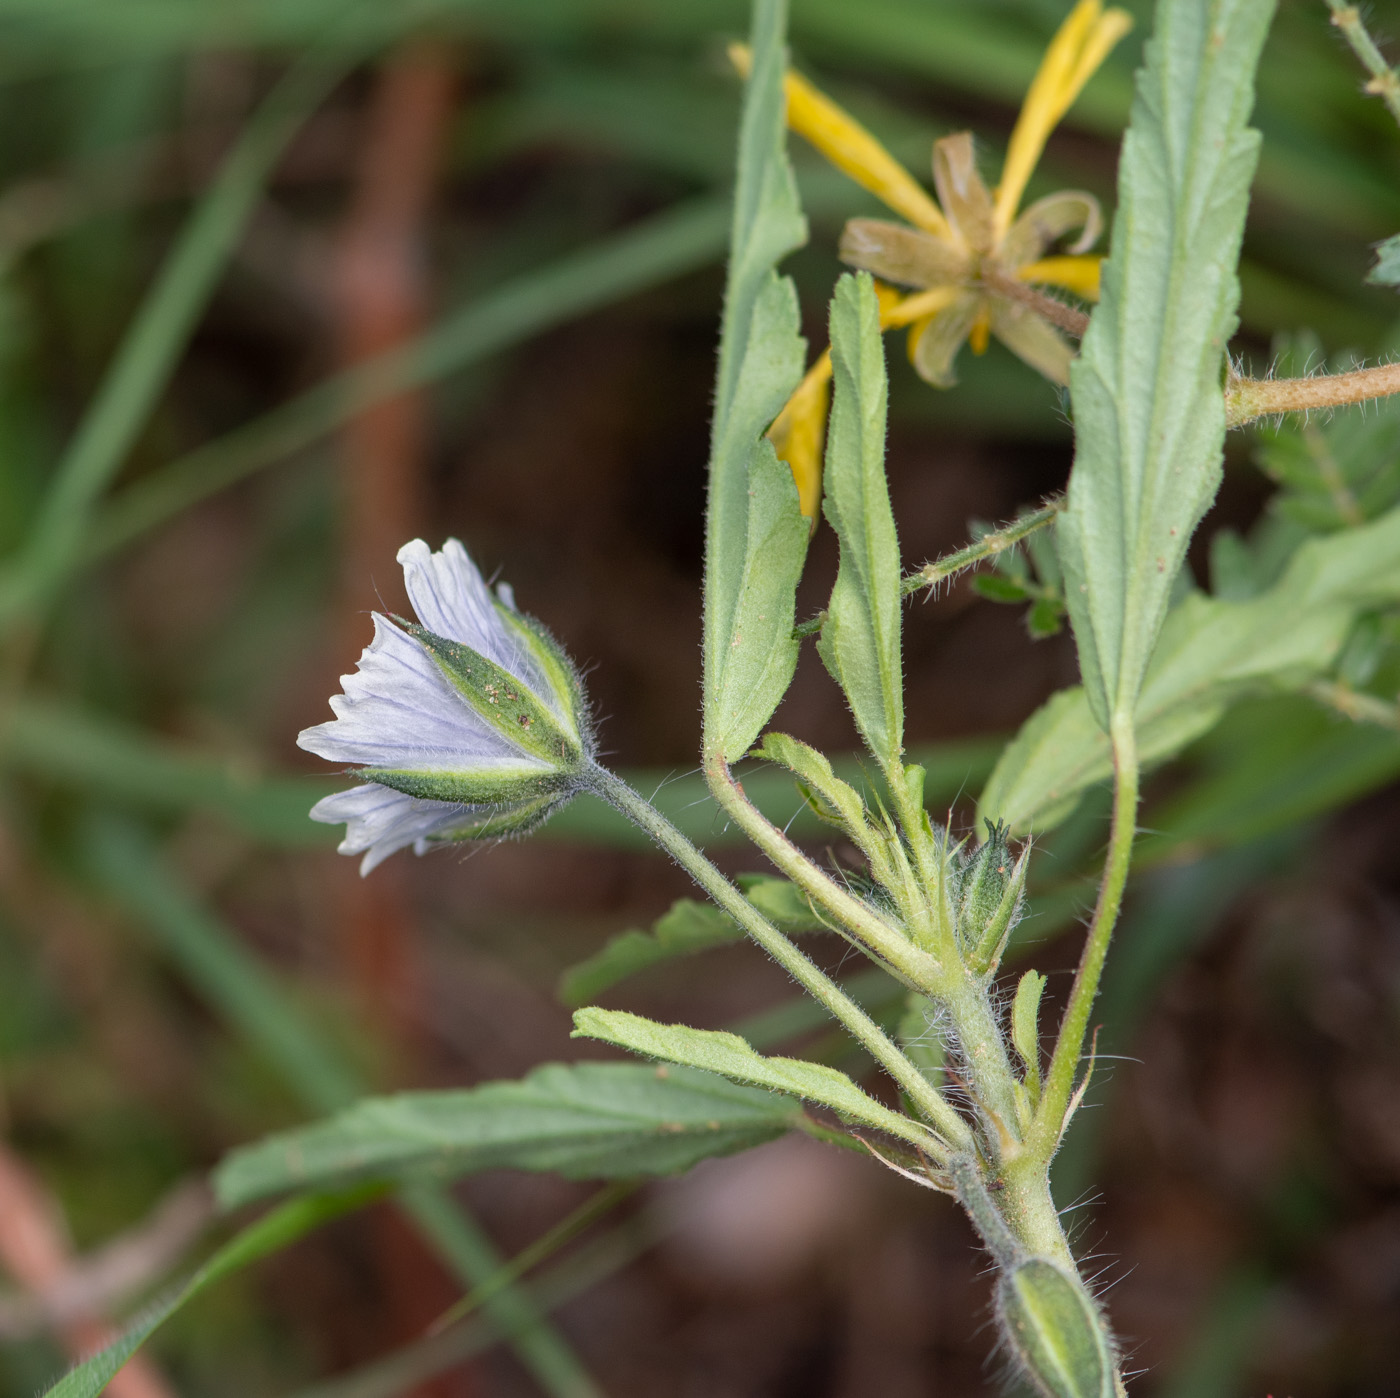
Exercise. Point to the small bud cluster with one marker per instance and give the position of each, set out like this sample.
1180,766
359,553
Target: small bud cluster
986,889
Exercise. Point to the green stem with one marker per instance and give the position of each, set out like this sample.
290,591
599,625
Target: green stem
922,971
1064,1064
941,569
811,978
1385,82
988,546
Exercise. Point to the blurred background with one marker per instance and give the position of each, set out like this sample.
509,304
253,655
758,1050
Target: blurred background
284,283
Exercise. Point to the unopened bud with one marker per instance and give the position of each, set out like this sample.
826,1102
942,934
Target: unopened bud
991,887
1054,1329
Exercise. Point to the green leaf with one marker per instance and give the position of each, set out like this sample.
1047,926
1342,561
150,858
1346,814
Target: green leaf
582,1120
688,927
756,538
1212,652
1025,1021
1386,272
996,587
753,671
860,637
835,801
731,1057
269,1234
1146,389
782,903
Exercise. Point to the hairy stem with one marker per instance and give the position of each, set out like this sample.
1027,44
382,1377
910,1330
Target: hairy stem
922,971
1068,318
949,1125
1064,1064
988,546
941,569
1385,82
1247,399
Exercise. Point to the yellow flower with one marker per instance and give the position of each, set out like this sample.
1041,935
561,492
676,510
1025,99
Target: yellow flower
972,256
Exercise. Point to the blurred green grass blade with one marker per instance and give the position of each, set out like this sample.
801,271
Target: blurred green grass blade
252,1003
56,741
514,1313
245,995
667,245
158,335
271,1233
399,1371
1173,911
1271,764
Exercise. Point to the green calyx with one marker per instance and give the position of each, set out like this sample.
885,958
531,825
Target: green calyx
500,787
989,889
511,707
1054,1328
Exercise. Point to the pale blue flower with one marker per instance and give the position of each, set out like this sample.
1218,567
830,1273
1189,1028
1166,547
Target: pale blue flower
469,724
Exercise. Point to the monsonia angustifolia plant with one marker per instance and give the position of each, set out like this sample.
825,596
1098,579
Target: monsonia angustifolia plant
470,723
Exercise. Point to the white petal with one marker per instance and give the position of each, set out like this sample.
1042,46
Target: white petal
451,599
378,821
400,711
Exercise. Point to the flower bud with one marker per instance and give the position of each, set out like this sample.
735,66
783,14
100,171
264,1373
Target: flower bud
1054,1329
469,724
990,890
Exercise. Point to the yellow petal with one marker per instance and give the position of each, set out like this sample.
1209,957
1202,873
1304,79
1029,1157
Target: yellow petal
1077,274
798,434
852,149
981,332
1084,40
919,307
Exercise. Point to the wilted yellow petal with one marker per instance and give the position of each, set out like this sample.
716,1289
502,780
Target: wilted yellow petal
1084,40
852,149
799,433
1077,274
935,340
920,306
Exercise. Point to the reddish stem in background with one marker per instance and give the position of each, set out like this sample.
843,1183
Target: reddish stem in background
36,1253
379,294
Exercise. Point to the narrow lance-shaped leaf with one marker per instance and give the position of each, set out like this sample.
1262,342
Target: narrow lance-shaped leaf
731,1056
584,1120
860,640
1146,388
756,537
